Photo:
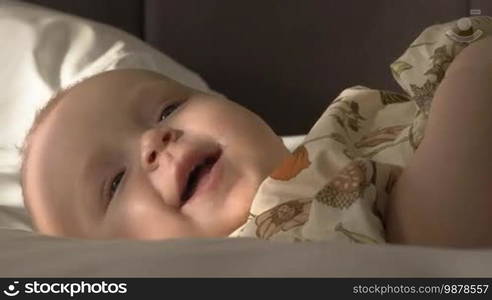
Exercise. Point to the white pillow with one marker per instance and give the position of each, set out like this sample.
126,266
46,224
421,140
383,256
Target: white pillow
42,50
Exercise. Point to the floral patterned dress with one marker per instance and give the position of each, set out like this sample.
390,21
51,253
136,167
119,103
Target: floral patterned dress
335,185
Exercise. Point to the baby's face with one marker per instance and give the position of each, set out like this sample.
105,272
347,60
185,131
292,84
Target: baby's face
130,154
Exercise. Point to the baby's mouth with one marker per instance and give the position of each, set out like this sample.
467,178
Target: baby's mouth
195,177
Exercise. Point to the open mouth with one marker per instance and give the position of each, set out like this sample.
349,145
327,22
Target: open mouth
197,174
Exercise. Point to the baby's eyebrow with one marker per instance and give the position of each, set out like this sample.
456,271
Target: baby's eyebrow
145,92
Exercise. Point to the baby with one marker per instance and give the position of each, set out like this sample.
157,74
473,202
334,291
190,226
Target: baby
133,154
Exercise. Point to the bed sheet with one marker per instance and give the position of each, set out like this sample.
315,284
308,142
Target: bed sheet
25,254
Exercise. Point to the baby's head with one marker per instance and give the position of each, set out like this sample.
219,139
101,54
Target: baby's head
133,154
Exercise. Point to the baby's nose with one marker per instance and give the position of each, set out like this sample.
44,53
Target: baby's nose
154,142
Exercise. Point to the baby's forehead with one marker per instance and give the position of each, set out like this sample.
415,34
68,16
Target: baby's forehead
116,85
113,101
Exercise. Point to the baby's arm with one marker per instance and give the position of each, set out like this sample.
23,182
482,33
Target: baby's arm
444,196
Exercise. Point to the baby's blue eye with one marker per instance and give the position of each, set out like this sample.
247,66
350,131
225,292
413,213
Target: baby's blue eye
168,110
114,184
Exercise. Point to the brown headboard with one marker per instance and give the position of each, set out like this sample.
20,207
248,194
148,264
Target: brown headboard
284,59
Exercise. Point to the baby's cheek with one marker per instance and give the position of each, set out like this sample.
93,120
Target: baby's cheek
146,223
